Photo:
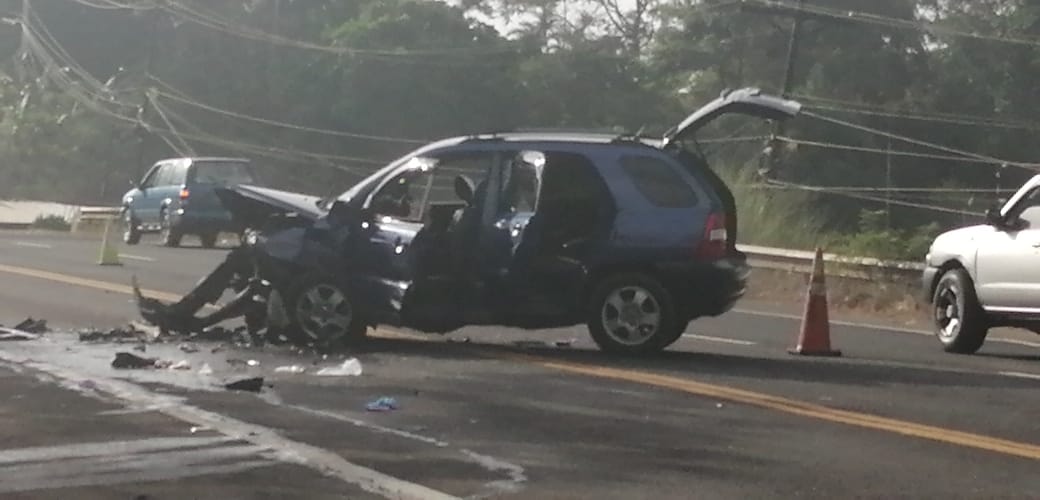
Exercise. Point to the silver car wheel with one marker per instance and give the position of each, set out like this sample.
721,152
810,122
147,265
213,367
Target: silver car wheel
324,313
631,315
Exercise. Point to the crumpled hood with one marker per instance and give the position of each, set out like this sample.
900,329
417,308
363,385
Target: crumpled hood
250,205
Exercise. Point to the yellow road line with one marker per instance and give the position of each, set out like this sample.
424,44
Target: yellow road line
85,282
721,392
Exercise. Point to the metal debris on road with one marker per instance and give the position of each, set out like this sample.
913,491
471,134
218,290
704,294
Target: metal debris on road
246,385
181,365
188,347
530,344
253,362
129,361
290,369
205,369
349,368
33,325
382,404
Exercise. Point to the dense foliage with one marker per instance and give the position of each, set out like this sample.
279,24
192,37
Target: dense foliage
320,92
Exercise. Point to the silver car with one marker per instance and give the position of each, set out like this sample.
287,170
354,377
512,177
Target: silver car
987,276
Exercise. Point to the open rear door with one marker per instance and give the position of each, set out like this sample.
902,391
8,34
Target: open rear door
747,101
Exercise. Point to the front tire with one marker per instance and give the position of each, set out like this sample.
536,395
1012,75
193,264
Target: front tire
960,323
323,312
131,231
633,314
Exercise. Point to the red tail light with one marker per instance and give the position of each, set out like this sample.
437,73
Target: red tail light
184,194
713,245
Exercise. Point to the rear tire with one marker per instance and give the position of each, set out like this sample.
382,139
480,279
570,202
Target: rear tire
323,312
169,235
633,314
960,322
131,231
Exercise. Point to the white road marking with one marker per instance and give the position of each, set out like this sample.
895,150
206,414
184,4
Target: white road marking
122,462
137,257
283,449
515,473
1031,376
719,339
114,448
883,328
1017,342
27,244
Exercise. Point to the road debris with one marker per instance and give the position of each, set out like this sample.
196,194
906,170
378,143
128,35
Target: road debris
382,404
11,334
181,365
205,369
141,347
246,385
253,362
530,344
33,325
116,335
290,369
349,368
564,344
188,347
129,361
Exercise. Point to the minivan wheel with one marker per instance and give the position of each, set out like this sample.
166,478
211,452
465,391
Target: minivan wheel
169,235
131,233
960,322
209,240
632,314
323,312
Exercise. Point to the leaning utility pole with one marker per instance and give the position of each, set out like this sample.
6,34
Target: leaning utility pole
779,128
144,108
799,15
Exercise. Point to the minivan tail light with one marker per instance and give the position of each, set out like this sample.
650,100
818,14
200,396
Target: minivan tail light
184,194
713,245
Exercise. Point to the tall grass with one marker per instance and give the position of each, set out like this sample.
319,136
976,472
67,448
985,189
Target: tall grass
772,217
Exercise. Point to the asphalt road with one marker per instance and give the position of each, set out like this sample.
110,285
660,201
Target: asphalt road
726,413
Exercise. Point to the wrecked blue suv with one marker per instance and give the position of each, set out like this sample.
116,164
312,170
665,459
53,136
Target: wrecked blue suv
631,236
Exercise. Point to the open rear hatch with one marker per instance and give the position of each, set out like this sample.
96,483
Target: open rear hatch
746,101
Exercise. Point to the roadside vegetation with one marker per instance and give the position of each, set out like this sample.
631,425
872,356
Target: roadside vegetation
320,93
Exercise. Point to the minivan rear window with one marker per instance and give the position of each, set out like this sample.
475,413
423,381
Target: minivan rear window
222,172
658,181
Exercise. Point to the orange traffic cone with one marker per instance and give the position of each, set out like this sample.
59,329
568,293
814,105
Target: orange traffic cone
815,337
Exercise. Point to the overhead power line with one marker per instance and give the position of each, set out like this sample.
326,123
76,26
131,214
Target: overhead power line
180,97
917,25
862,197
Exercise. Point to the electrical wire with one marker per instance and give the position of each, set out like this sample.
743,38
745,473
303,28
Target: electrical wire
826,190
241,116
917,142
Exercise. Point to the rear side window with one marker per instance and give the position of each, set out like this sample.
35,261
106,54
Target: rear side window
222,173
658,181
